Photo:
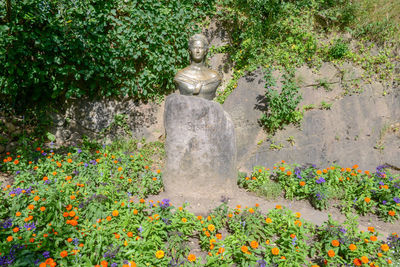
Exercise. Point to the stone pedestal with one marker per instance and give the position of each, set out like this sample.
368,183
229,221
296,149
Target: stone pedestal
200,147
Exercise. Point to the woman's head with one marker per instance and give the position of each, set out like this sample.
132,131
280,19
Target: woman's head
198,46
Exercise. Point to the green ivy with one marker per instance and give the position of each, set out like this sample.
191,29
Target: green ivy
56,49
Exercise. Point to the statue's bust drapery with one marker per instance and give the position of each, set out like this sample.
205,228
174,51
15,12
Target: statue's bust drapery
197,79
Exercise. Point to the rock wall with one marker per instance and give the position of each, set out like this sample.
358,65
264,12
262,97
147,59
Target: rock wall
107,118
361,126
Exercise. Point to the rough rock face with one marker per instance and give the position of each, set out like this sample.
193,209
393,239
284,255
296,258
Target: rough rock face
362,125
244,104
200,147
108,116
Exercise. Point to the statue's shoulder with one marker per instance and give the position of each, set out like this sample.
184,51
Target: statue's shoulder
214,74
183,74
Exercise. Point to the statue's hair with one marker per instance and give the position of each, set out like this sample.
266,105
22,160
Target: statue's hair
198,37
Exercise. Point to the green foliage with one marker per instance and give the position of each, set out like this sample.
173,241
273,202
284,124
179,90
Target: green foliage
56,49
281,106
338,50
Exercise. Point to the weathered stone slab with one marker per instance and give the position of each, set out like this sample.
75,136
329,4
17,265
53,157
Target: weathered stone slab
200,147
245,105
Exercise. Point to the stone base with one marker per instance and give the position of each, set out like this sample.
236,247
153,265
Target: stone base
200,146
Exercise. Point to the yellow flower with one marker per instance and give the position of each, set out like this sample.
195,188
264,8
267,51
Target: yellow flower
160,254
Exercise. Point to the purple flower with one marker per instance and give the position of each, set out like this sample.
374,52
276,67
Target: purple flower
320,180
17,172
75,241
114,264
46,254
343,230
7,223
381,183
294,241
164,203
86,165
396,199
384,202
79,151
262,263
30,226
297,171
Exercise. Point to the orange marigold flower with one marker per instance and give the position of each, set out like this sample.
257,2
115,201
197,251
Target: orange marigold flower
335,243
364,259
245,249
135,211
355,166
117,236
289,173
282,168
373,238
18,214
254,244
115,213
63,254
384,247
36,198
71,213
191,257
268,220
72,197
16,229
331,253
371,229
31,207
352,247
298,223
251,210
302,183
184,220
357,262
221,250
211,227
367,199
275,251
108,218
42,208
319,172
130,234
298,214
69,207
392,213
10,238
218,236
278,207
159,254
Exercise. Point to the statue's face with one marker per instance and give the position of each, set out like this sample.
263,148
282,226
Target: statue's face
197,51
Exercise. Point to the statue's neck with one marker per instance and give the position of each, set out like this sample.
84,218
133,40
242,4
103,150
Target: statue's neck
197,65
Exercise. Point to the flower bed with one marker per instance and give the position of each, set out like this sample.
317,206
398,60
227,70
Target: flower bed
357,190
88,209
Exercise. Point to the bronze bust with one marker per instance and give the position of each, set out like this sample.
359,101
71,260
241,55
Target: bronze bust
197,79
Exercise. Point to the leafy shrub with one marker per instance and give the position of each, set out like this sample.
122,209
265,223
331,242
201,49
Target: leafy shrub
281,107
55,49
338,50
